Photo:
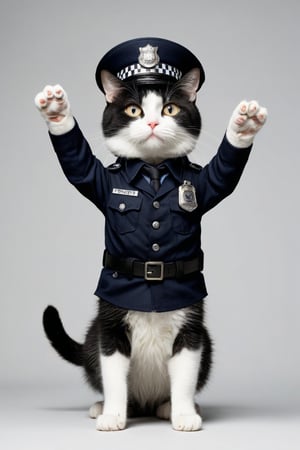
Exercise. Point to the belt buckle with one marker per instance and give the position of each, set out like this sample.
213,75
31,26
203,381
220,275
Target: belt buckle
154,270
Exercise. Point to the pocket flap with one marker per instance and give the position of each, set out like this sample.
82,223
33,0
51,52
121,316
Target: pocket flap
125,203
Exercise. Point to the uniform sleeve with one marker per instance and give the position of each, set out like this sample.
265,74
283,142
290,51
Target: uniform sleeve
80,166
219,178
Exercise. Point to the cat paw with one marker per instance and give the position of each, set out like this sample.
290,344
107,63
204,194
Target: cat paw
246,120
54,107
52,102
96,410
189,422
109,422
164,411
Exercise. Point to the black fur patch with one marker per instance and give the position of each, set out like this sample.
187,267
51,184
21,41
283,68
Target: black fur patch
115,119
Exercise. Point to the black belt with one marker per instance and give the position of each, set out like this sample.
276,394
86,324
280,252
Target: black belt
152,270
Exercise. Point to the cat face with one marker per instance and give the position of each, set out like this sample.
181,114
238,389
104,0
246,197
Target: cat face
151,123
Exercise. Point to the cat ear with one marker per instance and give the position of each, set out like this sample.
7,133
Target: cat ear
111,85
189,83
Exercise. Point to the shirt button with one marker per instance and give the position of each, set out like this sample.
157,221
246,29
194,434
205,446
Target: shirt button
155,247
156,204
155,225
122,207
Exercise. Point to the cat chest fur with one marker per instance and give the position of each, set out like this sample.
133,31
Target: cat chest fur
152,337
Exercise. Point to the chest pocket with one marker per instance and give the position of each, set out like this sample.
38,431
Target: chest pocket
184,222
123,213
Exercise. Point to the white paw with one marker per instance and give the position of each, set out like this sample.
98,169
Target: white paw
190,422
53,103
164,411
54,107
96,410
246,120
109,422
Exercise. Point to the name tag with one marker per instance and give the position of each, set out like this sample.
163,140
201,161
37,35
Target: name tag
125,192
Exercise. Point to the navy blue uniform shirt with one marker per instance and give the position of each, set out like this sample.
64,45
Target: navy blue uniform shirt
146,225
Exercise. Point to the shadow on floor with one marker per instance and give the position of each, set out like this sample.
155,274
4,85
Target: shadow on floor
210,413
216,413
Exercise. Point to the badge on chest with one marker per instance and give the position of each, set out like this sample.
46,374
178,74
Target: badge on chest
187,196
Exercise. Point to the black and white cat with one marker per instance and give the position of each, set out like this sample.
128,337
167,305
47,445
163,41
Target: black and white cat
144,362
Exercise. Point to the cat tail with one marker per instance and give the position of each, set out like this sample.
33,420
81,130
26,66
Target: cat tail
206,359
65,346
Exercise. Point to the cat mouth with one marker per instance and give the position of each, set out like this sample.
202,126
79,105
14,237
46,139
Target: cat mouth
153,136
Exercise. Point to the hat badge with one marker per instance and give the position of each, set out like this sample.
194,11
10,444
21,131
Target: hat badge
148,56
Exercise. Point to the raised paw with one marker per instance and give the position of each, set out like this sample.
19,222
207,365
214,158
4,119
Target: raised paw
96,410
246,120
109,422
191,422
53,103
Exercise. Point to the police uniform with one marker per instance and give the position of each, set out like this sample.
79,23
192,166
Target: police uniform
153,259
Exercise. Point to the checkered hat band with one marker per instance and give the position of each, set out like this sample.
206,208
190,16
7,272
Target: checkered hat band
137,69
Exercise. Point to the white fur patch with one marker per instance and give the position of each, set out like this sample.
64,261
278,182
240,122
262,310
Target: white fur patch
96,410
184,369
152,338
114,376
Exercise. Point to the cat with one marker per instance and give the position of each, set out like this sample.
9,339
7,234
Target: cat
144,363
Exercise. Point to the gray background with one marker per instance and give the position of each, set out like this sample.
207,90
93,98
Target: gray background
52,239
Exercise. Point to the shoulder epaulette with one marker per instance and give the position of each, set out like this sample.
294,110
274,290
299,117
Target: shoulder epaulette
195,166
114,167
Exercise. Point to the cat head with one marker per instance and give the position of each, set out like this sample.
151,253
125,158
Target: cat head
151,122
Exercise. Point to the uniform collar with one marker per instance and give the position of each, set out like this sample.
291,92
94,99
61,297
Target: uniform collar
175,167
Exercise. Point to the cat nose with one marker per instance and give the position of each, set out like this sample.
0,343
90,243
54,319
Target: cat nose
152,124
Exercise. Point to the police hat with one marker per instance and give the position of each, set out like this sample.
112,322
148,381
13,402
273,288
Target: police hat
149,60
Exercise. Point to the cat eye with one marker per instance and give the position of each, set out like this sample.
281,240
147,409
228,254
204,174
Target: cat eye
171,110
133,111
